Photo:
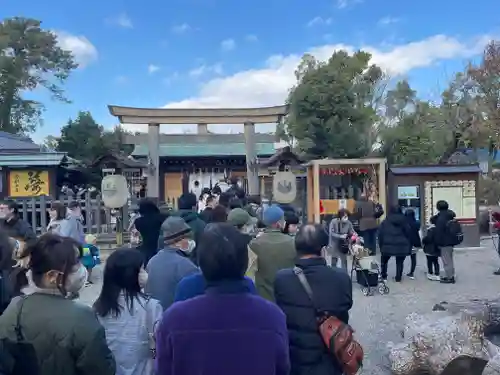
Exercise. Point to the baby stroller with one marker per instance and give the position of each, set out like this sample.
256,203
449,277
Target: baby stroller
366,268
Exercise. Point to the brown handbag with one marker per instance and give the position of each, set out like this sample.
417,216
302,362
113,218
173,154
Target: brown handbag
337,336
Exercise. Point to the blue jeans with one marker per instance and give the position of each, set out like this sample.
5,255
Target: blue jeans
370,238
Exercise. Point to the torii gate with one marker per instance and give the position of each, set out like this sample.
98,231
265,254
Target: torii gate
154,117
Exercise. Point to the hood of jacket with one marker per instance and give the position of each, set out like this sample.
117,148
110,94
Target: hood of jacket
397,219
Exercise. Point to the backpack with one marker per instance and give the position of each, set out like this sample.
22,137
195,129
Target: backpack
455,233
337,336
18,357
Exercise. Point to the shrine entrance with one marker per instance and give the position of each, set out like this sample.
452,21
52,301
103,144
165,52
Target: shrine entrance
154,117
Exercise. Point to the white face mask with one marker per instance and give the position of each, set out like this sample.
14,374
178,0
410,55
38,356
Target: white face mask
76,280
190,247
143,278
247,229
345,218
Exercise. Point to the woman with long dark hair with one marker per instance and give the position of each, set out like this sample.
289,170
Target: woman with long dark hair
148,224
66,336
127,314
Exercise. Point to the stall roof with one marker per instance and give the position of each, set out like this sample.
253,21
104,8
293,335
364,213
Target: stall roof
436,169
32,159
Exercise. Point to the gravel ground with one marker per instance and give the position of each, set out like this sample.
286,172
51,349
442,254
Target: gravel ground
379,319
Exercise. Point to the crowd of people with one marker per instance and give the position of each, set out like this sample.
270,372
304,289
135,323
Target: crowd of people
209,288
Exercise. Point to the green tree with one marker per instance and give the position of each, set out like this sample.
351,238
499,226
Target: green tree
30,57
85,140
410,131
485,82
330,108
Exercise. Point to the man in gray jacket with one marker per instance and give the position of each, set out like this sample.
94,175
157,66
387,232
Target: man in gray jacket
72,225
171,264
340,230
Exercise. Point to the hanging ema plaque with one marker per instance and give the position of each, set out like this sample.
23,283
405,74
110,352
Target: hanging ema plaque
284,187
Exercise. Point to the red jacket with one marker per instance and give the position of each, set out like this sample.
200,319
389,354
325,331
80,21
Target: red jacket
496,219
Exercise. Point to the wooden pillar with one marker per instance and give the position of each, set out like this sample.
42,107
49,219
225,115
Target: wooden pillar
316,198
251,159
382,188
153,190
202,129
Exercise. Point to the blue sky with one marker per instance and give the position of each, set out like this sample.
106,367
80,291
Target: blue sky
216,53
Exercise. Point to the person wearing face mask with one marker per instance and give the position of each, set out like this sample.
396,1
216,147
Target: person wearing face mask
72,225
57,213
13,225
129,316
270,252
172,263
291,223
340,230
66,337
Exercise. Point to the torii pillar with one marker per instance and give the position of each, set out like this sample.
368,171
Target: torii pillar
153,185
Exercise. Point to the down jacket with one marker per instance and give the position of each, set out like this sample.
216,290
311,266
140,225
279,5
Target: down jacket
332,289
394,235
66,335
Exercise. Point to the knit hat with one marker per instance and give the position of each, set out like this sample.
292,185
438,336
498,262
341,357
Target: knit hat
238,216
272,215
174,228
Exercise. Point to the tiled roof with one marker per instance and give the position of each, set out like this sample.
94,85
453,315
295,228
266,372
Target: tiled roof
32,159
14,143
200,149
435,169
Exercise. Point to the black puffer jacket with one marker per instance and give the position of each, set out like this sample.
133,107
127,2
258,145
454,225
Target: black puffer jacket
394,235
332,290
442,235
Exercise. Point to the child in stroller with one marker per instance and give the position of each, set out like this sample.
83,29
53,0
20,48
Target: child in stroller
366,268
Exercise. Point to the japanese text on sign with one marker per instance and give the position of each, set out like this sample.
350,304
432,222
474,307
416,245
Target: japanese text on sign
29,183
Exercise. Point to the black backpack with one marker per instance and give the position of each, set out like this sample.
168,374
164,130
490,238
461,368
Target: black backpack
18,357
455,233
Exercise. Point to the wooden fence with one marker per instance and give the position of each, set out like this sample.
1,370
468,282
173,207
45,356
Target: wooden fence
97,219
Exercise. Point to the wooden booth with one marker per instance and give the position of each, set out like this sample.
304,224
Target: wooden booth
333,184
421,187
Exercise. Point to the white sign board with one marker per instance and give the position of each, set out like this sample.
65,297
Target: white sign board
407,192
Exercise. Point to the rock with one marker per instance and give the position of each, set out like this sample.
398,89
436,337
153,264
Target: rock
432,341
493,366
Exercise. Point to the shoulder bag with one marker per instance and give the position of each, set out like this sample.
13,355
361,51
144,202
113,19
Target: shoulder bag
337,336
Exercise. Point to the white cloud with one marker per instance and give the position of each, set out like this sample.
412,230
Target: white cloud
206,69
269,85
388,20
228,44
342,4
251,38
153,68
82,49
181,28
121,20
318,21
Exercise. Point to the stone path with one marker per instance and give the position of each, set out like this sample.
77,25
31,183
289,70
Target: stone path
379,319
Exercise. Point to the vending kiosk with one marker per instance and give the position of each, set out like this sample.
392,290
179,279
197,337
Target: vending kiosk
409,197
